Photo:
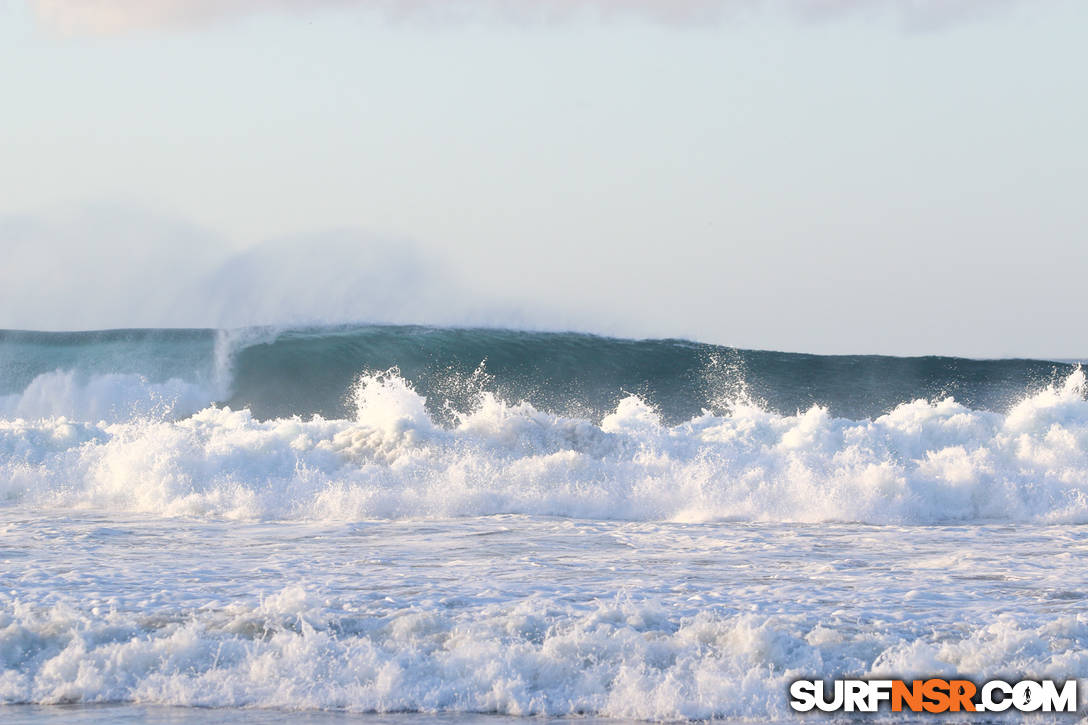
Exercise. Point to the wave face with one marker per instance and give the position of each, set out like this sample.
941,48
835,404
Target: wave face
309,372
120,374
316,424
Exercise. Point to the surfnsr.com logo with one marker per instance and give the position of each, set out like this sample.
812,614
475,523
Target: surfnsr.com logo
934,695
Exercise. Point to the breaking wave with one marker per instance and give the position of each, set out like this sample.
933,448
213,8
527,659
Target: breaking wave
414,519
118,375
921,462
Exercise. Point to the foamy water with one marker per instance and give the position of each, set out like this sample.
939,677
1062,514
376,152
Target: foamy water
923,462
467,551
522,615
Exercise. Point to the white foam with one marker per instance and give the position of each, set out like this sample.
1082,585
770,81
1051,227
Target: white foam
104,396
618,658
922,462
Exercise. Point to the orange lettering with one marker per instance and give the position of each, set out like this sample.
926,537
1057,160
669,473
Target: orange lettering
936,692
961,692
911,695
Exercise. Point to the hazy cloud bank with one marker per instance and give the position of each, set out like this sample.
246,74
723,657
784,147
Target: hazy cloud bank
119,16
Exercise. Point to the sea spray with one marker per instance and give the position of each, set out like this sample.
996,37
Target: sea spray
923,462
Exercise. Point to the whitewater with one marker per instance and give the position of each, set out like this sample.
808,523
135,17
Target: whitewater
435,524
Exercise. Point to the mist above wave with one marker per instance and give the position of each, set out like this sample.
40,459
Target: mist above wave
127,268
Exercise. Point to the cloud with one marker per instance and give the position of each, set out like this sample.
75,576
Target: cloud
120,16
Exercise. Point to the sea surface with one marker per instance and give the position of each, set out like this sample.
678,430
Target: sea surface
418,526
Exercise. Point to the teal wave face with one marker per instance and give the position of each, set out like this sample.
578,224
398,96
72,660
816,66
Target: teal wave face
156,354
311,371
585,375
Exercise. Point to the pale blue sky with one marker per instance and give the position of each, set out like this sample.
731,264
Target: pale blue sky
827,182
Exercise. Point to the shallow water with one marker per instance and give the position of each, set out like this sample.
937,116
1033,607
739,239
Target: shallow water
165,715
519,615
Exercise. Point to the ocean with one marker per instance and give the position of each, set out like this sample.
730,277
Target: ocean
426,525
